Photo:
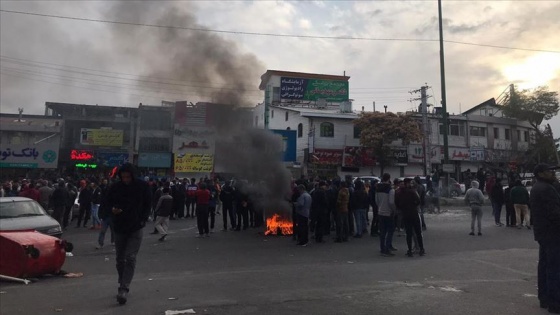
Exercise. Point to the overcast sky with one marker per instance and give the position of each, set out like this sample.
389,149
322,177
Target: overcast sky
84,62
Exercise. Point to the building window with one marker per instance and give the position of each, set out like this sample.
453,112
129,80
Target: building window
496,133
526,136
272,113
478,131
300,130
508,134
288,128
327,130
518,135
256,120
456,128
357,132
286,116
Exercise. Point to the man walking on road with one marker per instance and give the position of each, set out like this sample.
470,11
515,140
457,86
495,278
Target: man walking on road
545,204
407,200
130,203
163,210
520,199
475,199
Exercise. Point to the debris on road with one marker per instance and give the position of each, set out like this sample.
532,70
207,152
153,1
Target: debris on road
24,281
74,275
171,312
172,298
69,254
58,310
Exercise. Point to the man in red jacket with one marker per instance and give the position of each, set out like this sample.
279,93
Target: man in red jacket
202,205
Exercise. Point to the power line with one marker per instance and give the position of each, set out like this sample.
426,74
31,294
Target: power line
198,29
41,64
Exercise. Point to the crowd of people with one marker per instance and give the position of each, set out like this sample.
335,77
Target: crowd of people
124,204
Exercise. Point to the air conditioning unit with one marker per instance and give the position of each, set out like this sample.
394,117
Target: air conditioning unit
346,107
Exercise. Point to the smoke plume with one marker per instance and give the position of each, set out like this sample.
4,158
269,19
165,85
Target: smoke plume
207,59
210,67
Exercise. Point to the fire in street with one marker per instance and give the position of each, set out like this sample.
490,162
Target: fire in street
276,225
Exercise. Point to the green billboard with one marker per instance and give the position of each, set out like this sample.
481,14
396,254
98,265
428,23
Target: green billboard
313,89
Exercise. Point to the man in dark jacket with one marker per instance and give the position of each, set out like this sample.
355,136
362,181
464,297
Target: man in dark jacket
497,198
163,210
227,197
59,200
510,210
360,204
130,202
408,201
545,204
319,209
520,199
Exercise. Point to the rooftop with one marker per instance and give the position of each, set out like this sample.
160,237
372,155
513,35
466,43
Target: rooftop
325,113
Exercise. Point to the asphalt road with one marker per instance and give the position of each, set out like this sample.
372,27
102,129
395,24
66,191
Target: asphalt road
247,273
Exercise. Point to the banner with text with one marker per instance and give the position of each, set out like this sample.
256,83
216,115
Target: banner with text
101,137
459,154
358,157
193,163
313,89
327,156
41,155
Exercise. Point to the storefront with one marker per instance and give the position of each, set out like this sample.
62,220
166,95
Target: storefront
18,160
154,164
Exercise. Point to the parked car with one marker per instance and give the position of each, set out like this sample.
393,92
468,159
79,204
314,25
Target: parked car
18,213
367,179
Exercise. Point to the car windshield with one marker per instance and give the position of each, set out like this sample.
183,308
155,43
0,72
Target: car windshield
19,209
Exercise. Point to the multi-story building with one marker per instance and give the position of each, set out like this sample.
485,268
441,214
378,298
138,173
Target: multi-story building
154,139
29,145
94,138
328,143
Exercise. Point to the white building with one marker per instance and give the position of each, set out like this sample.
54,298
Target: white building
328,144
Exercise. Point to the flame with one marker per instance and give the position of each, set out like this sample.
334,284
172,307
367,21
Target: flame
277,225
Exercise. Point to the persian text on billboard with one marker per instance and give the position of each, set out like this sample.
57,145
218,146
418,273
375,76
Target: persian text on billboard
101,137
194,163
313,89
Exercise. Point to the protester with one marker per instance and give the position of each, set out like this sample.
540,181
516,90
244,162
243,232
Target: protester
59,199
96,196
342,203
360,204
72,196
227,197
510,209
421,190
496,195
45,193
374,230
163,210
242,208
520,200
385,199
191,198
130,201
319,210
84,199
408,200
202,204
303,209
545,205
212,204
475,199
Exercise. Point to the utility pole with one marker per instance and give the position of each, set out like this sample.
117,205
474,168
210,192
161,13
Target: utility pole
443,95
426,127
423,110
